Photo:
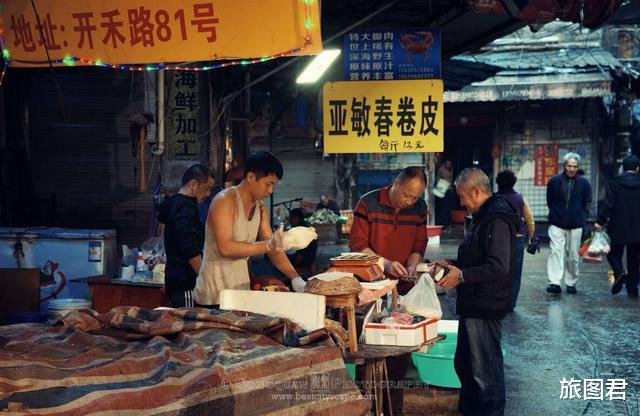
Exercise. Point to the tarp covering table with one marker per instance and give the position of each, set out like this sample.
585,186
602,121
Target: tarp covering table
185,361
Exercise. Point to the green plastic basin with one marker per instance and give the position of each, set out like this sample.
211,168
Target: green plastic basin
436,366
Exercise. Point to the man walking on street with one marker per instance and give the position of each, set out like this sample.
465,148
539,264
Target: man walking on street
184,234
568,199
620,211
483,277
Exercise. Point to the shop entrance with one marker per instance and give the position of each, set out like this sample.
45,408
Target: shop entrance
468,147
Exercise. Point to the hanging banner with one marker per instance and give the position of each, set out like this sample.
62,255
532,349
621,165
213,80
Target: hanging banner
182,109
156,31
546,163
383,116
383,54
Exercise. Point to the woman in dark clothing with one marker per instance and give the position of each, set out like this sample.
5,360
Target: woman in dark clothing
506,180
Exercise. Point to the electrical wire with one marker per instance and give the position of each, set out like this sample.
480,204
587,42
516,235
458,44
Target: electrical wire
53,72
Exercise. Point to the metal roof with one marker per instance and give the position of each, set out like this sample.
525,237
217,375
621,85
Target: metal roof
563,57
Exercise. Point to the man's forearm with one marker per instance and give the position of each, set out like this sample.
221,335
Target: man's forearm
414,259
281,262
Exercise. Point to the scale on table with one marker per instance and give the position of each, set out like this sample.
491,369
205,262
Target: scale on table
364,266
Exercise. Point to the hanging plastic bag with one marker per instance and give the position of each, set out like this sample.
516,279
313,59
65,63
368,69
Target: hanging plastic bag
600,243
422,299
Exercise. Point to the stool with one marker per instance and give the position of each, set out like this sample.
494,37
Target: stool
348,302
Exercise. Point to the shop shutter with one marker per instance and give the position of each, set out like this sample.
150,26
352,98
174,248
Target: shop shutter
306,173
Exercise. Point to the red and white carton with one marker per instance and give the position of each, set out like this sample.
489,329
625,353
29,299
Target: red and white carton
400,335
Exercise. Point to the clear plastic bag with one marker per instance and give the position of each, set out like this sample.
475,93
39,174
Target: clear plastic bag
600,243
153,252
422,299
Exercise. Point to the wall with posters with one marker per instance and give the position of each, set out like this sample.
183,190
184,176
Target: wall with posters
534,135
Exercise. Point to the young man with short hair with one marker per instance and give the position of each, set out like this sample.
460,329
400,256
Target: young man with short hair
237,228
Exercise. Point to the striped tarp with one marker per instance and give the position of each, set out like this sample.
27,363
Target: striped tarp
187,362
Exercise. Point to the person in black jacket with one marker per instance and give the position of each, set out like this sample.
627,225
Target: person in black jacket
184,234
482,275
568,199
621,210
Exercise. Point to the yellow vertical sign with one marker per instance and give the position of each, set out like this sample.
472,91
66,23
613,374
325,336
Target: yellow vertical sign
383,116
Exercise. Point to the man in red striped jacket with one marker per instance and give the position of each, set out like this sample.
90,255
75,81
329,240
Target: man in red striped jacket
391,222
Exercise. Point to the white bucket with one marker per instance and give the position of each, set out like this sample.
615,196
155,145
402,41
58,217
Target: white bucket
59,308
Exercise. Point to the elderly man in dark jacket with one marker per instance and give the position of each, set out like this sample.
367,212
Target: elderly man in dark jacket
184,234
568,199
482,274
620,211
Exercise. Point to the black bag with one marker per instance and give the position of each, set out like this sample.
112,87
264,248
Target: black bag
534,246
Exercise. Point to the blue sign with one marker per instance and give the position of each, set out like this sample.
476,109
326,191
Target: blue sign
381,54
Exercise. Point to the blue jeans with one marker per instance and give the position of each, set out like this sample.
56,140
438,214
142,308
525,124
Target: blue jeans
479,365
517,270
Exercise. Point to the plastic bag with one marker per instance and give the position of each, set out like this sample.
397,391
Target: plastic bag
600,243
153,252
128,256
422,299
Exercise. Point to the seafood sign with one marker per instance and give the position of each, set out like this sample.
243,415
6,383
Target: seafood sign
379,54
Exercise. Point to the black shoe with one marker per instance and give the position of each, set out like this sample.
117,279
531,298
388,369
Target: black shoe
617,284
572,290
633,294
554,289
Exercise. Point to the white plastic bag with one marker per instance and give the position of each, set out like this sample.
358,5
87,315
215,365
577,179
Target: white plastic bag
422,299
600,243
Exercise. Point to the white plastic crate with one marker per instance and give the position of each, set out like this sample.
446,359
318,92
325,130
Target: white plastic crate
401,335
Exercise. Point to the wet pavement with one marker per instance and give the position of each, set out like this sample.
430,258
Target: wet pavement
590,335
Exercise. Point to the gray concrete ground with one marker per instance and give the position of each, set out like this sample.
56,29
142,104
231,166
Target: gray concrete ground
591,335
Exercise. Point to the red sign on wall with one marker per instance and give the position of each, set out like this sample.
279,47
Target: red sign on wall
545,163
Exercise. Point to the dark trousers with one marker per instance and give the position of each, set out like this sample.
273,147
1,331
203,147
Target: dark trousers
633,264
479,365
443,209
517,278
181,299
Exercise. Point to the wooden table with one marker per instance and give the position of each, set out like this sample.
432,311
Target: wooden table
348,302
108,293
376,377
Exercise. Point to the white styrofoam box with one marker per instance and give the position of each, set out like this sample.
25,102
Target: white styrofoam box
401,335
305,309
446,325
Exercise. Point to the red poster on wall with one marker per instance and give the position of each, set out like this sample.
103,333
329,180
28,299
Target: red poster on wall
545,163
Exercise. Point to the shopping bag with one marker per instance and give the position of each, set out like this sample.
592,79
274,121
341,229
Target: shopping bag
600,243
583,250
422,299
